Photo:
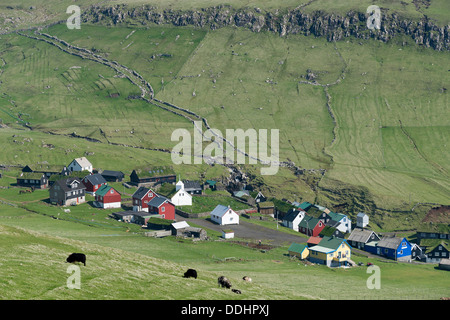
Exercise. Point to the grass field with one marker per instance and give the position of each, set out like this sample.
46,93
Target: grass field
125,265
390,107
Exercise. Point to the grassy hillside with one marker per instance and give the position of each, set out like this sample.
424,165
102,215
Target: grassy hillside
389,101
125,265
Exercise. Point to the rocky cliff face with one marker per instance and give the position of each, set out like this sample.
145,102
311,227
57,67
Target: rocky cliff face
333,27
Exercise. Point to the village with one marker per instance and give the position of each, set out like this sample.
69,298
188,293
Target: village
327,238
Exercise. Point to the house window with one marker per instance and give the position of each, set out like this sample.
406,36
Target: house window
163,209
112,191
150,195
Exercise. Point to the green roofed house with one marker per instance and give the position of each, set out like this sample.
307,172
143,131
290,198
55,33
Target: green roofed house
331,251
311,226
152,176
107,197
211,184
48,170
298,250
266,207
435,249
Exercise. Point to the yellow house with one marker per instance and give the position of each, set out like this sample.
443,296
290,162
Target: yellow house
299,250
331,251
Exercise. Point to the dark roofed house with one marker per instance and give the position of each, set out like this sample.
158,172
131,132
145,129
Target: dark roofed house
331,231
93,182
33,180
68,191
394,248
112,176
162,206
141,197
192,187
293,218
360,237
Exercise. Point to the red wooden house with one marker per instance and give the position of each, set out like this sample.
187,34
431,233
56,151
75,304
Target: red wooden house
93,182
107,197
141,198
311,226
162,206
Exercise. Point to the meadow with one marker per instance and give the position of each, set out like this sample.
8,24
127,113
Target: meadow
127,265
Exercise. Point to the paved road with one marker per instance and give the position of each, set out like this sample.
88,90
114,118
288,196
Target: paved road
247,230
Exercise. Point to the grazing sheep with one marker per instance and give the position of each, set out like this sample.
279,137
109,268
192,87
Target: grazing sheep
248,279
77,257
224,282
190,273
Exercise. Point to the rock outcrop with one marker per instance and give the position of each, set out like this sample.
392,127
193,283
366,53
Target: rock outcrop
320,24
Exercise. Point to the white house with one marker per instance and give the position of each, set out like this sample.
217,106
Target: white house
293,219
341,221
224,215
182,198
362,220
80,164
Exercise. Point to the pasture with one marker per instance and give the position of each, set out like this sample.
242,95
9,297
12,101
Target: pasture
126,265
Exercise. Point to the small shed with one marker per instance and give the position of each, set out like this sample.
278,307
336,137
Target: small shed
362,220
266,207
211,184
227,234
178,227
300,251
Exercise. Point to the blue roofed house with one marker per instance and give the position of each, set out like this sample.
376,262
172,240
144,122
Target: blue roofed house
394,248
